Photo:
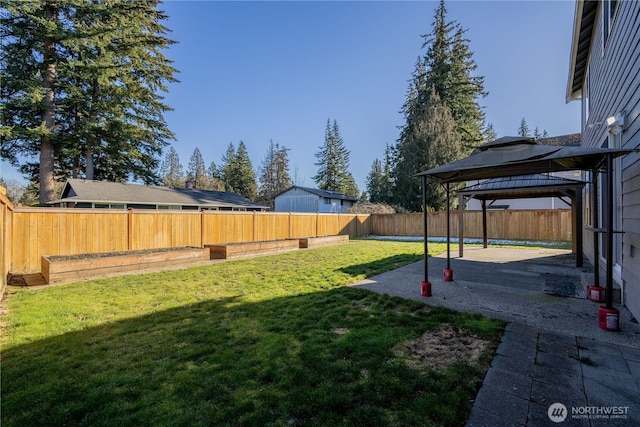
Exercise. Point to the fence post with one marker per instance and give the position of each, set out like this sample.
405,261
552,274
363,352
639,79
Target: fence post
129,228
253,234
202,228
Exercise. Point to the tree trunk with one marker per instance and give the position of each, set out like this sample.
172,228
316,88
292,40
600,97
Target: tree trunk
46,170
89,160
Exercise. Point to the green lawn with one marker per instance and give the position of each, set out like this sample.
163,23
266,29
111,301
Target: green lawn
271,341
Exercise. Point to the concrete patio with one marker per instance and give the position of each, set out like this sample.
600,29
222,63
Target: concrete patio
552,350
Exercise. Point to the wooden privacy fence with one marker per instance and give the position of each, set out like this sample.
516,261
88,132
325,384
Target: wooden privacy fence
539,225
26,234
48,231
6,225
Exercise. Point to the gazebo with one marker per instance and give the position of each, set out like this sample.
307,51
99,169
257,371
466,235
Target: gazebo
517,156
525,186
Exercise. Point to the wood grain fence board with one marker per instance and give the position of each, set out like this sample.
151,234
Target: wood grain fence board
33,232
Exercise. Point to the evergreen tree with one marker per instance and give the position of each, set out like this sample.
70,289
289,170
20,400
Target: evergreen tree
81,89
448,68
237,171
198,171
537,134
523,130
375,182
227,170
274,174
171,171
387,175
433,142
333,163
490,133
215,178
442,86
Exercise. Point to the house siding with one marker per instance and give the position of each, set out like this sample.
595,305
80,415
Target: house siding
296,200
613,87
300,200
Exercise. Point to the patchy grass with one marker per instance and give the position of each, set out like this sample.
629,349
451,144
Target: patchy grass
277,340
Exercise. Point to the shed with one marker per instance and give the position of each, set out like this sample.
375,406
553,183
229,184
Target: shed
303,199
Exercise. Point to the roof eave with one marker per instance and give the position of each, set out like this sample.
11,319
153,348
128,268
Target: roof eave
582,38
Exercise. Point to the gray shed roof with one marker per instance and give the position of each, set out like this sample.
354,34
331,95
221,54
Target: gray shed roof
87,191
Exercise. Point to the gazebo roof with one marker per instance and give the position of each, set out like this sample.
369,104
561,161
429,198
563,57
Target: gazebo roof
523,186
513,156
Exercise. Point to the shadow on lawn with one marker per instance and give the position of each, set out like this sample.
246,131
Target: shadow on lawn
322,358
381,265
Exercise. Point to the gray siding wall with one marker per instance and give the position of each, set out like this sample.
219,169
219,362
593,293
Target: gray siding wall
296,200
613,86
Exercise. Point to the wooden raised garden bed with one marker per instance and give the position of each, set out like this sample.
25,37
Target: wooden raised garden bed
69,268
317,242
251,249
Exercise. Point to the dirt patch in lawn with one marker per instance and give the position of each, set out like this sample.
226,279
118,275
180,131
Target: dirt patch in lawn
439,348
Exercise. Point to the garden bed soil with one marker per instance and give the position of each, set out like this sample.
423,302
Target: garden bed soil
66,268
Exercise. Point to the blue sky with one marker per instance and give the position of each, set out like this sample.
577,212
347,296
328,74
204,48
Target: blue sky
261,71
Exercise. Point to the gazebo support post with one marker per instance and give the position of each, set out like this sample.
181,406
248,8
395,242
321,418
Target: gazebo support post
448,272
460,224
609,317
610,261
578,226
425,286
484,223
594,222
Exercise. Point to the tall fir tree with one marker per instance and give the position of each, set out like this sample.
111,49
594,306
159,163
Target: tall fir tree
197,170
81,93
490,133
537,134
375,182
333,163
449,69
444,77
215,178
228,167
171,171
433,142
274,174
237,171
523,129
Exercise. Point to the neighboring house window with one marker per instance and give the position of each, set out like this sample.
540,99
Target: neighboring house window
609,8
341,202
327,201
107,206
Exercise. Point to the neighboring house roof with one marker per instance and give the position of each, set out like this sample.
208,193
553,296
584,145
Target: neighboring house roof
87,191
571,140
583,27
323,193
